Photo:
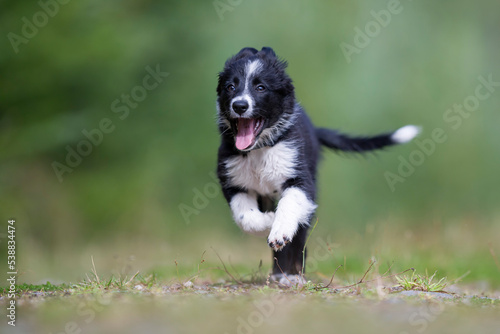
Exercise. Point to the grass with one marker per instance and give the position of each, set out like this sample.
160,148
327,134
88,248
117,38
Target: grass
94,283
149,284
28,288
423,282
144,303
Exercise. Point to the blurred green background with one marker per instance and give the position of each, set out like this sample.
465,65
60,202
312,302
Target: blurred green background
120,204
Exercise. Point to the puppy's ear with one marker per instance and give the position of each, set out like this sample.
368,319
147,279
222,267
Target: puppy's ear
245,52
268,52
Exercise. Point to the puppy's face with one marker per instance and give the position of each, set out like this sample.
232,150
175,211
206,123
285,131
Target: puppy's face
253,94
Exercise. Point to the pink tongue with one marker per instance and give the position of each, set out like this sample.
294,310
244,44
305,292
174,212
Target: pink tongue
245,135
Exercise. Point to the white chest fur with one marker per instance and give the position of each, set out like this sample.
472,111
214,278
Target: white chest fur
264,170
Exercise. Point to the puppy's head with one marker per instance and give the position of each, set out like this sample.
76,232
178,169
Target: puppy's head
255,97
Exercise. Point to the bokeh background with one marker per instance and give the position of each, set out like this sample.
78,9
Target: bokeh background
121,204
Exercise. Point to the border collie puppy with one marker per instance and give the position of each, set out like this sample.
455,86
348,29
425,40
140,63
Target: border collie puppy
269,153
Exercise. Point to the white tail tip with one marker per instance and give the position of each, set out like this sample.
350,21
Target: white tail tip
405,134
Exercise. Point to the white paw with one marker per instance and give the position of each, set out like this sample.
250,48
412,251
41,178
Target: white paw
247,215
288,280
268,219
294,209
267,223
256,222
280,235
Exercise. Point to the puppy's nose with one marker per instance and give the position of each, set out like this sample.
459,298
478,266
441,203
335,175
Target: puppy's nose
240,106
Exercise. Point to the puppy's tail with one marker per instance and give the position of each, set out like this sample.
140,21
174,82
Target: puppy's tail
338,141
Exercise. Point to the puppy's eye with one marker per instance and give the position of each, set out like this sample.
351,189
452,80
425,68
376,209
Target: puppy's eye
260,88
230,88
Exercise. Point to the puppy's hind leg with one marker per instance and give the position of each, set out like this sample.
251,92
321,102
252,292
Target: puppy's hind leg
288,263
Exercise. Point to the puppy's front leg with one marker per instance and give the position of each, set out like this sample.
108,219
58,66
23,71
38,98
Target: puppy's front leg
247,215
294,209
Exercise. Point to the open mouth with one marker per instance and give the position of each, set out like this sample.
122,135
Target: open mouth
246,131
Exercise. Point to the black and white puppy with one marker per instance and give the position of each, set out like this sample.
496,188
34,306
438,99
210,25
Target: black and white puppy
269,153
